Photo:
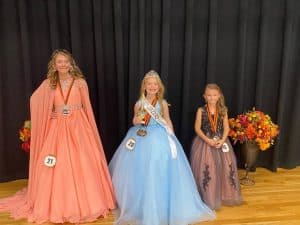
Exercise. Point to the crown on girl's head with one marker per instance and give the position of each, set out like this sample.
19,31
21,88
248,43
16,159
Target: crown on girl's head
151,73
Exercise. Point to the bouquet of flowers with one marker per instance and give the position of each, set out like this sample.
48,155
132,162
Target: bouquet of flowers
24,135
253,126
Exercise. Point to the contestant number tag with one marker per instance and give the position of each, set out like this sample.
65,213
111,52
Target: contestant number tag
130,144
225,147
50,160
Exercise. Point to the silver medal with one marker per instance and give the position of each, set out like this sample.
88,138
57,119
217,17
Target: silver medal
66,110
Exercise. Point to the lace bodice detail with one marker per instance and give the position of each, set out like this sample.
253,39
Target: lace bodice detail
206,127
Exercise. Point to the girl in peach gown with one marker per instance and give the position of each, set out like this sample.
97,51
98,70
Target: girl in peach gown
68,175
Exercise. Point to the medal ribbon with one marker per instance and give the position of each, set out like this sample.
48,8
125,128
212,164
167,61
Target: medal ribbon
147,117
213,121
68,94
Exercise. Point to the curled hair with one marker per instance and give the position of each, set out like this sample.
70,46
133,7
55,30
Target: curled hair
222,109
52,73
161,91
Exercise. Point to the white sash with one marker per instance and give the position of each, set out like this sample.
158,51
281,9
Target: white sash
160,120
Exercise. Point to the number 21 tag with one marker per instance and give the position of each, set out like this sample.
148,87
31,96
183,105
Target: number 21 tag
50,160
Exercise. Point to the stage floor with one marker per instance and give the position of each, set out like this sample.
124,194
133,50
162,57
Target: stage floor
273,200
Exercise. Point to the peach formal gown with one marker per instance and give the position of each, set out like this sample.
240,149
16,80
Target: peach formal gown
78,188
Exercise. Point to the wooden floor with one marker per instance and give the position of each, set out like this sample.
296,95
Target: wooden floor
273,200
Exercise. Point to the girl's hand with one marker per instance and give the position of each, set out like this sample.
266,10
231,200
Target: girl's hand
138,120
219,143
211,142
53,115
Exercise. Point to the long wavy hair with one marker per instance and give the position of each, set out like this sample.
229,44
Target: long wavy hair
161,91
52,73
222,109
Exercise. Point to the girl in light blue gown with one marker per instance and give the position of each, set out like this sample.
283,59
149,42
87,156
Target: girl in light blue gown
151,175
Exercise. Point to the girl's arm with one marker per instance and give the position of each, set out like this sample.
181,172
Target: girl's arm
166,114
225,131
199,132
136,119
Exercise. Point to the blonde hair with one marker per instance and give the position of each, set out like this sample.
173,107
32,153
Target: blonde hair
222,109
52,73
161,91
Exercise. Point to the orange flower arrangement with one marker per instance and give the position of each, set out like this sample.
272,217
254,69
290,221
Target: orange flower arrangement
24,135
253,126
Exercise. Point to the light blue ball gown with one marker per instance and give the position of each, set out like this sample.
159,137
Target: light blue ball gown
152,187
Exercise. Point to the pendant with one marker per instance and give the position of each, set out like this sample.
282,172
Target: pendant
66,110
216,138
50,160
141,132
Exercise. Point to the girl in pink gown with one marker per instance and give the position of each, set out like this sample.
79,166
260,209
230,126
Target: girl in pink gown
68,176
212,158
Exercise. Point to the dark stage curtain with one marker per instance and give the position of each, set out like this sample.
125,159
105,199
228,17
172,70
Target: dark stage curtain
249,47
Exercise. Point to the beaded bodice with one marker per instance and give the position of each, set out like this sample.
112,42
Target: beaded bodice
206,127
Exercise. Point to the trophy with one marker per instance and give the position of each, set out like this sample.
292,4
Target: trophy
142,130
225,147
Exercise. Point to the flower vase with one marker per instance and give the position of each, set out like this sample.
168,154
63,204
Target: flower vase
249,153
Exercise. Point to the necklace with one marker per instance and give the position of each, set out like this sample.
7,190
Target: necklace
66,109
212,120
65,83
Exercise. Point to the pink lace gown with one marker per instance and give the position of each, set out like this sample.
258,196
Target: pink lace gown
215,171
78,188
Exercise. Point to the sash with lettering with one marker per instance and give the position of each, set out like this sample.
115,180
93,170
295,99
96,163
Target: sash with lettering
160,120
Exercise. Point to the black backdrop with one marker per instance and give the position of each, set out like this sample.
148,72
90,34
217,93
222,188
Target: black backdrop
249,47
